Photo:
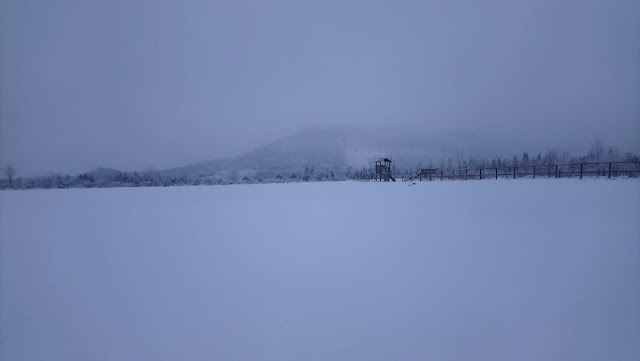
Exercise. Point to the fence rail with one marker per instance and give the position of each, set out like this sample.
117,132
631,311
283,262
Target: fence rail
580,170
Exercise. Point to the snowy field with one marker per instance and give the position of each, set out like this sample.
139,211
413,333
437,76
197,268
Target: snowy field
476,270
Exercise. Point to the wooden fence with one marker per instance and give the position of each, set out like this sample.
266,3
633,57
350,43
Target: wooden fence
582,170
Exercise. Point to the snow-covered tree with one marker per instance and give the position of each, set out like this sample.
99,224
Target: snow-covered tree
613,154
459,158
597,152
526,162
9,172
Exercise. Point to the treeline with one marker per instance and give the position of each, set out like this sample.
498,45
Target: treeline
598,153
157,179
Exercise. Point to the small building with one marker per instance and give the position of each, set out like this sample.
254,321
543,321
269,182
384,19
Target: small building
383,170
426,172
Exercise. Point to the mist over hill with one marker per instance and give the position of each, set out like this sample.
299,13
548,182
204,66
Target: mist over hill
341,147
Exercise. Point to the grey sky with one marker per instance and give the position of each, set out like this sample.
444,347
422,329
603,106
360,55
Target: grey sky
132,84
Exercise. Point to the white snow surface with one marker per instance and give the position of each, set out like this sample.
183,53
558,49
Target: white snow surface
453,270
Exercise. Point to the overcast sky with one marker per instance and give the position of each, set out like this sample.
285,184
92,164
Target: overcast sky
133,84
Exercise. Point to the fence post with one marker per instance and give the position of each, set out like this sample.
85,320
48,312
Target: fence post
556,171
609,170
466,174
496,173
421,176
480,173
534,172
580,170
441,177
514,172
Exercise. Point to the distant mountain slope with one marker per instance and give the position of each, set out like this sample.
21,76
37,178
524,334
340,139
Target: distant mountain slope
340,147
286,154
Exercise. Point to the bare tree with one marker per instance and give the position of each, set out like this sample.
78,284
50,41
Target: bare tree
459,158
552,155
613,154
9,172
597,151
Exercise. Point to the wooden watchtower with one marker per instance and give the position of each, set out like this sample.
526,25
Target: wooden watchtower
383,170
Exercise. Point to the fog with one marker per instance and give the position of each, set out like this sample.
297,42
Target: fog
161,84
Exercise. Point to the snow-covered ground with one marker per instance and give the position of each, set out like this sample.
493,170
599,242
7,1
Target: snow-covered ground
476,270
